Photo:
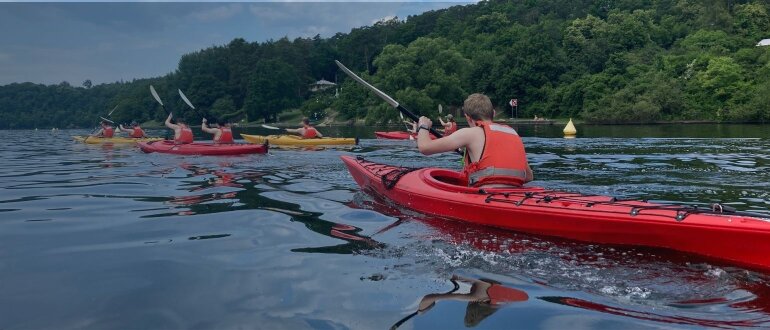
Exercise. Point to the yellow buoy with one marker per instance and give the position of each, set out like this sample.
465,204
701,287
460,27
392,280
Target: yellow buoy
570,130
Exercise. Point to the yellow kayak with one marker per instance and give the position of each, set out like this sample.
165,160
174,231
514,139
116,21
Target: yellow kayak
113,140
294,140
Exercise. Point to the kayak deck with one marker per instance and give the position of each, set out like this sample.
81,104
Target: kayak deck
205,149
295,140
738,237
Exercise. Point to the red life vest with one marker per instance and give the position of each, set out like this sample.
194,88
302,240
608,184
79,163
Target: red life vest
137,132
108,131
185,135
503,159
226,137
451,129
310,132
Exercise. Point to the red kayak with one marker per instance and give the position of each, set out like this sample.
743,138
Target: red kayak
208,149
717,232
398,135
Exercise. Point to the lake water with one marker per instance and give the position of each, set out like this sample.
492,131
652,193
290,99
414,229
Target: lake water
103,237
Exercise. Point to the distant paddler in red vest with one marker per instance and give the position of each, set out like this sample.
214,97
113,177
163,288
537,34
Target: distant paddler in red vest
494,153
223,133
306,131
182,133
106,131
134,131
450,126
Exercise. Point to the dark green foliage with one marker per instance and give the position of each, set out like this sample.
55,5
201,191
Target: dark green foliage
617,61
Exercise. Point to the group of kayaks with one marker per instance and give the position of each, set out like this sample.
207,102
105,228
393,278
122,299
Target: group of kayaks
258,144
717,231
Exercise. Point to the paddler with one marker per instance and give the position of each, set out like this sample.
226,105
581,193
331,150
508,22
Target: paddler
223,133
182,133
306,131
106,131
494,153
134,131
450,126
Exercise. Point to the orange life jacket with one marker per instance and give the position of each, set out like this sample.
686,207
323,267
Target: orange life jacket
226,136
503,159
108,131
137,132
185,135
310,132
451,129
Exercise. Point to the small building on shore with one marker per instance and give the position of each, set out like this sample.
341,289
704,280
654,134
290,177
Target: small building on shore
763,42
321,85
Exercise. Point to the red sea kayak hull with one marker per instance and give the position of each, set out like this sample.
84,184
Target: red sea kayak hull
397,135
206,149
737,239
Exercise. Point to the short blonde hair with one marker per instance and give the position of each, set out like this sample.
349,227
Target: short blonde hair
479,107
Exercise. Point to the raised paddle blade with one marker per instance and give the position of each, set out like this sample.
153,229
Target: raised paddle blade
440,109
155,95
184,98
270,127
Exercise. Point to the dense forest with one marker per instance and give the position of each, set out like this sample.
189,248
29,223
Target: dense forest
604,61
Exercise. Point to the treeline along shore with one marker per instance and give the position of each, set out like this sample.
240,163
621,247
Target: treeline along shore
598,61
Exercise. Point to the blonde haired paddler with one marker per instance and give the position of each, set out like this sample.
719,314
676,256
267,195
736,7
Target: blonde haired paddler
494,153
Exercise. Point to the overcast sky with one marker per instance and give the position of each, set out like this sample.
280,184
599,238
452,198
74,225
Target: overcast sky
106,42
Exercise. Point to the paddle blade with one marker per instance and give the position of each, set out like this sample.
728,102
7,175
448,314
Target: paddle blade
440,109
155,95
184,98
270,127
107,120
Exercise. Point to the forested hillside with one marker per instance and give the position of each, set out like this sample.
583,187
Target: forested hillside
603,61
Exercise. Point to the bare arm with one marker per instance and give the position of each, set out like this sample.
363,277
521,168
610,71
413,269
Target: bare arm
319,135
206,129
465,137
169,124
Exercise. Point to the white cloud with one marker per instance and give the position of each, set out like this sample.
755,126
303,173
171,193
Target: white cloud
217,13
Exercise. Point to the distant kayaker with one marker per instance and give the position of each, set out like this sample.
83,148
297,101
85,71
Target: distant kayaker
182,133
134,131
306,131
450,126
106,131
223,133
494,153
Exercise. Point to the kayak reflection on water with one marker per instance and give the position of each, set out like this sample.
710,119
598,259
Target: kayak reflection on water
484,298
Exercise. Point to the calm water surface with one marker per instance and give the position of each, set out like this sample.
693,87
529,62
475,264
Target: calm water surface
102,237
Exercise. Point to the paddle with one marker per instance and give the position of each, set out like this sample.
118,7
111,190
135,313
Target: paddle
97,127
157,98
385,97
184,98
388,99
269,127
